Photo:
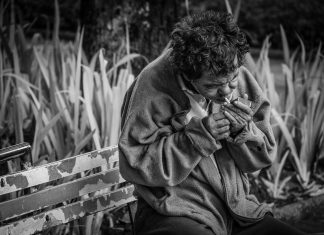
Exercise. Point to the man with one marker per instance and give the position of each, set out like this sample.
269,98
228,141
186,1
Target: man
189,135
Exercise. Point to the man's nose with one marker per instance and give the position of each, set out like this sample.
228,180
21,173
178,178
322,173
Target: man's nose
225,90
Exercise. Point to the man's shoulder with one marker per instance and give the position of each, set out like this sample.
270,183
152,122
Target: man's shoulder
247,79
159,76
246,74
158,68
157,82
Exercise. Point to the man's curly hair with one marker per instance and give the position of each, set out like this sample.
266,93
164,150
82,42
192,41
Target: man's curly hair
207,40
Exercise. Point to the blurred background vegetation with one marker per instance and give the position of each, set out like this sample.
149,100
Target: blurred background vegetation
150,21
65,67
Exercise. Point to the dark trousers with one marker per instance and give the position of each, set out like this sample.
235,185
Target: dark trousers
149,222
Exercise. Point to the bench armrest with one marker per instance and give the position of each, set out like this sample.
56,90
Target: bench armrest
14,151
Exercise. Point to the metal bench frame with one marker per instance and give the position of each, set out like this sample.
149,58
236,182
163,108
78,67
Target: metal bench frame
100,188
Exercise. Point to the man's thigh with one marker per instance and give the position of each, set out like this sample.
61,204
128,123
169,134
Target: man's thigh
267,226
149,222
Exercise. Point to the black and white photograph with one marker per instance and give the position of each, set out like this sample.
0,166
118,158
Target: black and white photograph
161,117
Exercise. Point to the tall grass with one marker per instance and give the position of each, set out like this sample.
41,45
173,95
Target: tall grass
298,117
69,105
64,93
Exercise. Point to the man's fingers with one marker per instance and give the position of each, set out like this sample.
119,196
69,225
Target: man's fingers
218,116
230,117
238,112
220,129
223,129
223,122
212,125
232,107
240,118
243,107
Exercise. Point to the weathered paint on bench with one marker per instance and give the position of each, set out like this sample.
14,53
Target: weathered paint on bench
70,212
52,205
57,170
62,192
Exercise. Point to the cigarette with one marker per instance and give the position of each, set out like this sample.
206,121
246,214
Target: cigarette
227,100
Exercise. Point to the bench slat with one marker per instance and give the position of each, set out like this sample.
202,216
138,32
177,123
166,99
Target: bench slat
57,170
59,193
70,212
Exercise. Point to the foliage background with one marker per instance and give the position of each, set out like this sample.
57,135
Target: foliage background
49,37
258,18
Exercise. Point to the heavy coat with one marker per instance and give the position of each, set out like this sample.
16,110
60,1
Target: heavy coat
170,162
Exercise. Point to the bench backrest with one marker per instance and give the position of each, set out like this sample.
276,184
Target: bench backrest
92,180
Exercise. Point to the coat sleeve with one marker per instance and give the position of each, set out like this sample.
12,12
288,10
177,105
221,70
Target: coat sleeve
255,147
151,151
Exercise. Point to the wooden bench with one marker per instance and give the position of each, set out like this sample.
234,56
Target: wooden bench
62,191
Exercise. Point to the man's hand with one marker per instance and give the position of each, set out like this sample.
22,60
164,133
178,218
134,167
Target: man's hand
239,114
218,125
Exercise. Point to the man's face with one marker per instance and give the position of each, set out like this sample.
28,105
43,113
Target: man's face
216,88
